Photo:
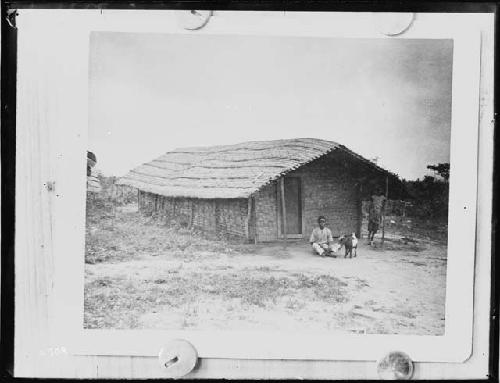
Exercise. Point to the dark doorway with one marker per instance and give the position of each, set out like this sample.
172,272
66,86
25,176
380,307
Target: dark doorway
293,206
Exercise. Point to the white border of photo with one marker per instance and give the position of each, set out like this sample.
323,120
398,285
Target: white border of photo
53,55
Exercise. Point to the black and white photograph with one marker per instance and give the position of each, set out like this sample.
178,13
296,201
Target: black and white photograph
239,182
222,194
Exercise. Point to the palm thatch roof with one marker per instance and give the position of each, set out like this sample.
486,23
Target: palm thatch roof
229,171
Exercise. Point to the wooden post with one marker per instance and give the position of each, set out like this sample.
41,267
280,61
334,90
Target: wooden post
283,208
360,210
191,221
278,208
383,210
113,199
248,220
254,220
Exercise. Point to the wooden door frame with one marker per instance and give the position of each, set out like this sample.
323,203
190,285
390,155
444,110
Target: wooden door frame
279,209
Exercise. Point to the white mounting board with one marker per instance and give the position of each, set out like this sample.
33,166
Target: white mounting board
51,137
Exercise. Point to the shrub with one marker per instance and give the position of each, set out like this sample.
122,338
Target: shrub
429,197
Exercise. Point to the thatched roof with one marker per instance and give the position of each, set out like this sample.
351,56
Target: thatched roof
228,171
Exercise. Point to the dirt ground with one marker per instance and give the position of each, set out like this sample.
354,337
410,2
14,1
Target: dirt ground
140,274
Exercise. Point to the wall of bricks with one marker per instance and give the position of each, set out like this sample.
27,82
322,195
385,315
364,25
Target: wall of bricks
327,186
146,202
231,217
266,213
216,217
328,189
204,216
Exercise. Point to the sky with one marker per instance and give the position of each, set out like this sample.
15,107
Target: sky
385,98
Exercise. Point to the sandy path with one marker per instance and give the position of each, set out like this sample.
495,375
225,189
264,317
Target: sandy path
393,291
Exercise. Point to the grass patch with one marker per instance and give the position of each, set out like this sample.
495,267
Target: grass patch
419,229
400,245
115,236
119,302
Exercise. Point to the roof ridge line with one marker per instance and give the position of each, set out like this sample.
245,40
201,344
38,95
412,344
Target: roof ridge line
256,141
192,176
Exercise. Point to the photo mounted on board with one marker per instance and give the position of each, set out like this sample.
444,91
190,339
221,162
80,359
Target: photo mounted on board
268,183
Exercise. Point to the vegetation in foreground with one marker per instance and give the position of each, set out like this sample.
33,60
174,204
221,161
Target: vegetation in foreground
143,274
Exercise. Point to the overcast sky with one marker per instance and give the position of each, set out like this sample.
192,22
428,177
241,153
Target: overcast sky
151,93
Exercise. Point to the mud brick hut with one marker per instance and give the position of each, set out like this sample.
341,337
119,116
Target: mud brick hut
258,191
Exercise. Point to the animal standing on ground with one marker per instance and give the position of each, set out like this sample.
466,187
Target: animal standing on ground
350,243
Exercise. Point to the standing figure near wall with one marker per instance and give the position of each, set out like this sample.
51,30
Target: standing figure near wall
377,205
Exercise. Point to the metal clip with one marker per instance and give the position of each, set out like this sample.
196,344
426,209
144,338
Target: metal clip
11,17
394,24
396,365
194,20
178,358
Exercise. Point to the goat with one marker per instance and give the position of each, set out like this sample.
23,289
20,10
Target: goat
349,242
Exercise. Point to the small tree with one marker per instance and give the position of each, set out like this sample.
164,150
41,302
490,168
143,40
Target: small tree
442,170
430,194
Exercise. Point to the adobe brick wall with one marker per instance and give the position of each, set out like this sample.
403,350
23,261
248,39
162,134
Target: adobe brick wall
266,213
231,217
146,202
216,217
328,189
204,216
